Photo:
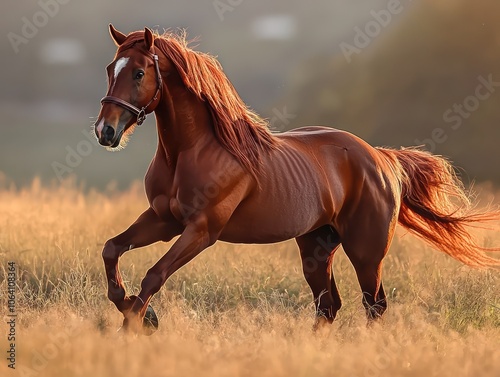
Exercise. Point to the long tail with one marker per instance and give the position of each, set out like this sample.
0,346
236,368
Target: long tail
436,207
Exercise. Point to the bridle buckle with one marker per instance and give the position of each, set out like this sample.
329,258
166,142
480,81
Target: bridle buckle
141,116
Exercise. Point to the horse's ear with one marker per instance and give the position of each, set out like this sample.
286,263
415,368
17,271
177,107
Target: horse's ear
149,38
117,36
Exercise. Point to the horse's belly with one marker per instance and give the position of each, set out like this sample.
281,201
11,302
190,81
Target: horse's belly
251,232
275,218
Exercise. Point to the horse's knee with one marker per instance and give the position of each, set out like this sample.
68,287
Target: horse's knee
116,293
110,252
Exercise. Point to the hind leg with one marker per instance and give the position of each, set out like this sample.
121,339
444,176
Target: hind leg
374,299
366,246
317,249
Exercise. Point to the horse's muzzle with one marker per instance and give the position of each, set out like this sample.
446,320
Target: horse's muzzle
107,135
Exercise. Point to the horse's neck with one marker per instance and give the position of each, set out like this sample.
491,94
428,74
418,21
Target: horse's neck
182,121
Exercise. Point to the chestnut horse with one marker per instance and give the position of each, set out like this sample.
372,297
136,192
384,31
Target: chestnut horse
219,174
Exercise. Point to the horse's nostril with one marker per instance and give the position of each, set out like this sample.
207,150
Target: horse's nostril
108,132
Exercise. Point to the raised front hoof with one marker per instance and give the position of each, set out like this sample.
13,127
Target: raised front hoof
149,322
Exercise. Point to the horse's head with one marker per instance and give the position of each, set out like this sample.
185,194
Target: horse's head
134,87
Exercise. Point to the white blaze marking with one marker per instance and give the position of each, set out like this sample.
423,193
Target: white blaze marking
119,65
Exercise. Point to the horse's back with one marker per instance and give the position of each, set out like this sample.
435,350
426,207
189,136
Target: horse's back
324,136
333,149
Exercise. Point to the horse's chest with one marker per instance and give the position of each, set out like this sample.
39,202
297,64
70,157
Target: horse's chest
158,184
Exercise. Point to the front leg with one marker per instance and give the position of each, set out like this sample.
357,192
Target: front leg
193,240
147,229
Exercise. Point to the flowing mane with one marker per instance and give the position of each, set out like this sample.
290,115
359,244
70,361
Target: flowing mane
239,129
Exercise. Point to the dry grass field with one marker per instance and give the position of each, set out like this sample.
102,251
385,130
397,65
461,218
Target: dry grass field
235,310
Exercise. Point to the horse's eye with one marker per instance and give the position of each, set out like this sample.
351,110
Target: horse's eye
139,75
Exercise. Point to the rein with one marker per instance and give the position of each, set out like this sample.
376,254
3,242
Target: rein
140,113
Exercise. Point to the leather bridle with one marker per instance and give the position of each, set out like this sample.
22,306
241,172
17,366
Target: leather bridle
140,113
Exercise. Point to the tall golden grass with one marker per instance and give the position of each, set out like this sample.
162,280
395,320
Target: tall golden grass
235,310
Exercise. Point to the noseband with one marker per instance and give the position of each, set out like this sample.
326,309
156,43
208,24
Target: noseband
140,113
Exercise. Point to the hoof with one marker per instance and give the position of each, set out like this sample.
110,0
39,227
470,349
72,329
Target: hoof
150,321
